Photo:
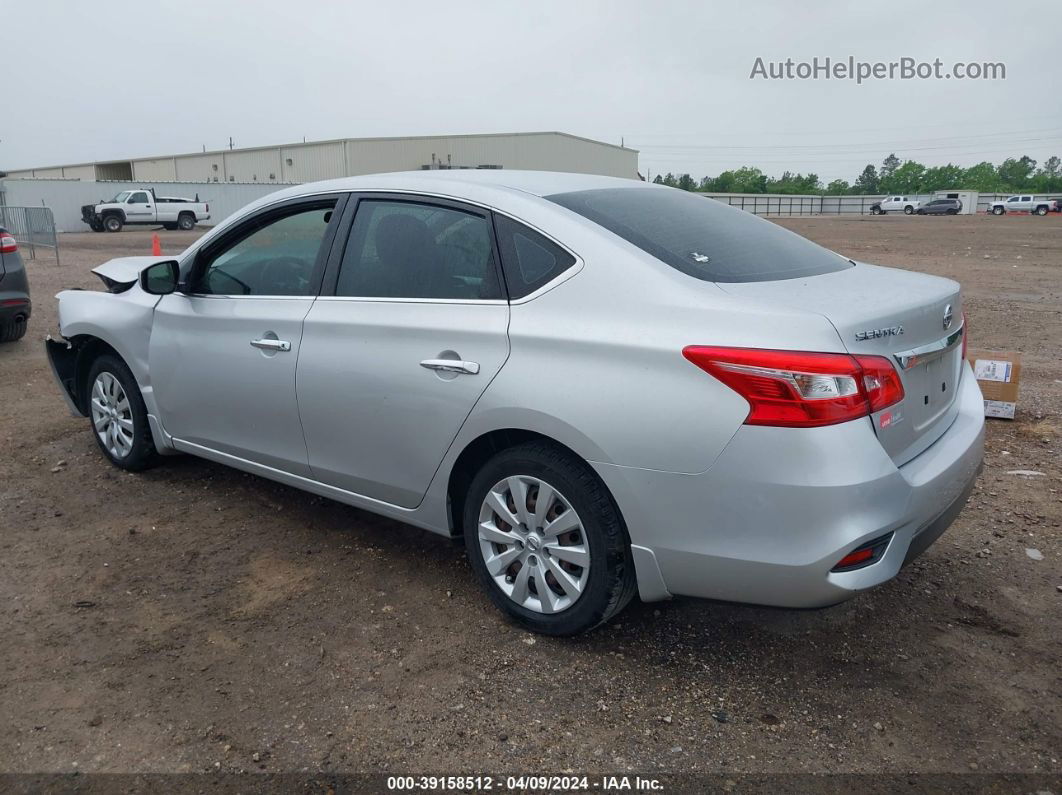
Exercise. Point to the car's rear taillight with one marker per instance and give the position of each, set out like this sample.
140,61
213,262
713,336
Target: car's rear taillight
8,245
797,389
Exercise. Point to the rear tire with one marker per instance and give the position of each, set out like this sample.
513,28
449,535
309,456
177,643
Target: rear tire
186,222
14,329
908,210
1041,210
602,584
118,416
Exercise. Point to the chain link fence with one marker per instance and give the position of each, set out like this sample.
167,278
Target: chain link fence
32,228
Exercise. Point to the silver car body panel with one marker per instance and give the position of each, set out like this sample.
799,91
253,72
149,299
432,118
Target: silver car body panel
593,360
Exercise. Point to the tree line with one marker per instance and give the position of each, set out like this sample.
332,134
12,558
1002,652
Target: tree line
1013,175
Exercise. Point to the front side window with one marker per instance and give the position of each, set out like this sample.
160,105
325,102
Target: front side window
702,237
275,256
121,197
138,198
402,249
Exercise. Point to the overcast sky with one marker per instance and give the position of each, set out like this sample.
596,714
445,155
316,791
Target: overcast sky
670,78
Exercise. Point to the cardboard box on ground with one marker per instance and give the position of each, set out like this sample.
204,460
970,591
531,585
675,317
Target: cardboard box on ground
998,374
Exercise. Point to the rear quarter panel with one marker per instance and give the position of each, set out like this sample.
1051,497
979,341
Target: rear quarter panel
596,363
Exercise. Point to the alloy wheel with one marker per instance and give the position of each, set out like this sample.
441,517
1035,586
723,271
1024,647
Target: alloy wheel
533,544
112,415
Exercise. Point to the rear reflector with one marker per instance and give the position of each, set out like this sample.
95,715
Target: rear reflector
14,302
8,245
797,389
863,556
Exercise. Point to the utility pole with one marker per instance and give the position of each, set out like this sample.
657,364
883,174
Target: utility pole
230,143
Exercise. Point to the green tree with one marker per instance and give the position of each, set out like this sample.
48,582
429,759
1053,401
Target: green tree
907,178
943,178
867,182
1016,174
982,177
686,182
888,166
658,180
1049,178
839,187
746,180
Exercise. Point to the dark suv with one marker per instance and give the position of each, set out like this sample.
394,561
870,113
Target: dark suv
14,290
941,207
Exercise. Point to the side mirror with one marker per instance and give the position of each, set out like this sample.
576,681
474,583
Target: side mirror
160,278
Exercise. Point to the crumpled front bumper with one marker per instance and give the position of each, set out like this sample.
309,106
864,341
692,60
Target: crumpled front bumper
62,358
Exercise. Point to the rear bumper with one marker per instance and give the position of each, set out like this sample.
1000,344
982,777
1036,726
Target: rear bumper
14,304
780,507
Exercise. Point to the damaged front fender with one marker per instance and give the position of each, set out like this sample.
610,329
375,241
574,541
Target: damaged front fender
62,356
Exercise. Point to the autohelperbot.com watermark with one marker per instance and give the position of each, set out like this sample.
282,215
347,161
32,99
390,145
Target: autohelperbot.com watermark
864,71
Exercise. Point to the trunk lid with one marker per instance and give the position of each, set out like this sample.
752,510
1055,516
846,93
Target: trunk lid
913,319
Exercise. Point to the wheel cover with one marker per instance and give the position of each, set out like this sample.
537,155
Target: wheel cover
112,415
533,544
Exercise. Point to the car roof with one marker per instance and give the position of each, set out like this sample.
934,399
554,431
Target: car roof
458,181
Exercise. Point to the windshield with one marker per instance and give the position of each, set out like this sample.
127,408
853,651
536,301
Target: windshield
702,237
121,197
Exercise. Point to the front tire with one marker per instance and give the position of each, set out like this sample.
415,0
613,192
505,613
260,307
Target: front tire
112,223
998,211
118,416
546,541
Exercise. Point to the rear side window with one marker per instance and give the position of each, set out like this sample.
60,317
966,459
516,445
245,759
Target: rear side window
702,237
529,259
400,249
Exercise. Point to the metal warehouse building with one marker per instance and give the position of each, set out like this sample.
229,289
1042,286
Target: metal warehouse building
307,162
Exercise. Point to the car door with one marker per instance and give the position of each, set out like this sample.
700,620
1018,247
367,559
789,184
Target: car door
223,351
409,330
139,208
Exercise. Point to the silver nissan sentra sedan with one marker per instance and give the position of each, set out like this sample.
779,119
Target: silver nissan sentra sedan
607,387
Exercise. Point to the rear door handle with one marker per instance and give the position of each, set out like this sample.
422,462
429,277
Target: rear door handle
451,366
271,345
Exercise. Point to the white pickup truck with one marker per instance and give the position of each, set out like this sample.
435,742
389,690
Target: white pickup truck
1023,204
142,206
895,204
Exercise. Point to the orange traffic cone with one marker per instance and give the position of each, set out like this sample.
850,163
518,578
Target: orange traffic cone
156,245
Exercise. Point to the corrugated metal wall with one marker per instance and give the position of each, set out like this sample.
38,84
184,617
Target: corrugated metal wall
66,197
161,170
312,162
309,162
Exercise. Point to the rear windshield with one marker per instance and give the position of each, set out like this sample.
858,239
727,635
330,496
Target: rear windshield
702,237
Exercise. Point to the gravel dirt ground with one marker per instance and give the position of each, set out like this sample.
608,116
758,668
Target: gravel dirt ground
193,618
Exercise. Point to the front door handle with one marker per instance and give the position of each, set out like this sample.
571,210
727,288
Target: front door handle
451,366
271,345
